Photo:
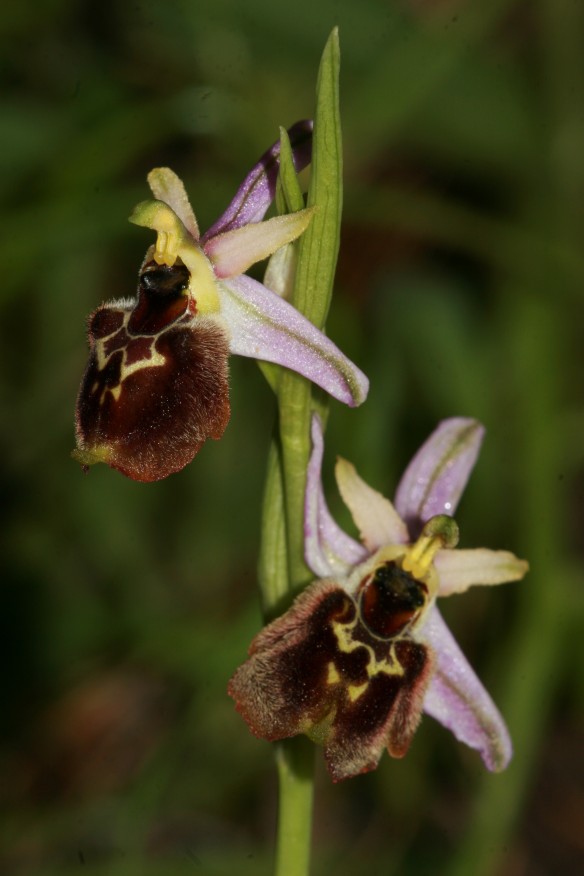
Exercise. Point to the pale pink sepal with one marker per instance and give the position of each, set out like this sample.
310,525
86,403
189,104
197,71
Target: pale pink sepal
263,326
435,478
257,191
457,699
235,251
328,550
375,517
458,570
166,186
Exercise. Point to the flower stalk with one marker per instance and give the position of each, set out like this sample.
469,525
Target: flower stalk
283,571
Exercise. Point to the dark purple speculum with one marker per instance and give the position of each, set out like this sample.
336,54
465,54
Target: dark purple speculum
390,600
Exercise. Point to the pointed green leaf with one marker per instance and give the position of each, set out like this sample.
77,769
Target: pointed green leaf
318,250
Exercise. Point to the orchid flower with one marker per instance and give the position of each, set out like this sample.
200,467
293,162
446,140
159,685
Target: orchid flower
156,385
363,651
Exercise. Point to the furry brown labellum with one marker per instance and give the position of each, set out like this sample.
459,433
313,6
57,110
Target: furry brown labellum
156,384
342,669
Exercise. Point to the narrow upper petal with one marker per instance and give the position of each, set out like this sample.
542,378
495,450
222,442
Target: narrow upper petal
166,186
460,569
375,517
328,550
233,252
457,699
264,326
435,478
257,191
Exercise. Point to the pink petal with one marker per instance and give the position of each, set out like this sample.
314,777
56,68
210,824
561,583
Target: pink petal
233,252
435,478
327,549
257,191
264,326
457,699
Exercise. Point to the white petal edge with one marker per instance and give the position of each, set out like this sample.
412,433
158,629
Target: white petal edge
328,550
233,252
168,187
457,699
378,522
263,326
460,569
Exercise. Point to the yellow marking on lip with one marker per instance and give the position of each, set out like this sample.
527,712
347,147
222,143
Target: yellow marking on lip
390,665
102,357
356,690
156,360
333,676
116,391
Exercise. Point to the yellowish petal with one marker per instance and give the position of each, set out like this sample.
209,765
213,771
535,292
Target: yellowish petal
168,187
459,570
374,515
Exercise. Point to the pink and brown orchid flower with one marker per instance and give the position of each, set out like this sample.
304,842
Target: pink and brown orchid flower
156,384
364,651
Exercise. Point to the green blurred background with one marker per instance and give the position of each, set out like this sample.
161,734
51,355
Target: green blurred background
125,607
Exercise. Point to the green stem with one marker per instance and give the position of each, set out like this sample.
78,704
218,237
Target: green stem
294,760
315,272
273,561
283,571
295,407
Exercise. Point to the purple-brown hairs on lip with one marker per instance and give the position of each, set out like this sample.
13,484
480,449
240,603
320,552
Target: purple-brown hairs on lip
319,670
156,384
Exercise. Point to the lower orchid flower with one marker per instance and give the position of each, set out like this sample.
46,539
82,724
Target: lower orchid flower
363,651
156,385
